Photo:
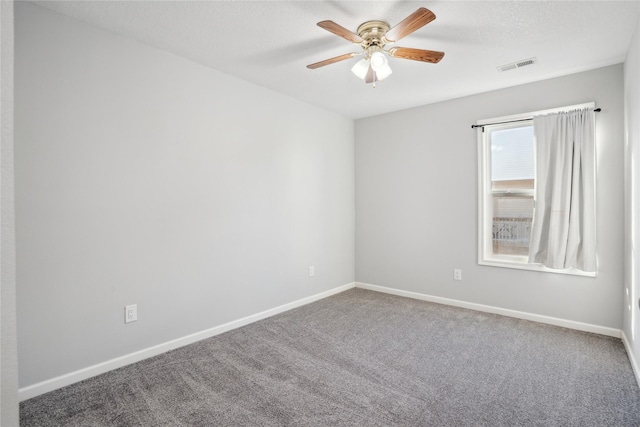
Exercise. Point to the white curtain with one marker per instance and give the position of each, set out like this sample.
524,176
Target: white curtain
563,232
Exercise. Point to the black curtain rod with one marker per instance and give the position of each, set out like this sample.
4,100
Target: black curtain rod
597,110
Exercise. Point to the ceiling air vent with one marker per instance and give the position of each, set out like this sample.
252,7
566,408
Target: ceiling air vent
517,64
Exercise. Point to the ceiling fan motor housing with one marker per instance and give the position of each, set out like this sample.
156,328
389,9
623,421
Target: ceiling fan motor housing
372,33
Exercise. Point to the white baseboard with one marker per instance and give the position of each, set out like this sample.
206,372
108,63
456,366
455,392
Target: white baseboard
100,368
586,327
632,358
109,365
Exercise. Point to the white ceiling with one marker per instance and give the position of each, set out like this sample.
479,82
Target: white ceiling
270,43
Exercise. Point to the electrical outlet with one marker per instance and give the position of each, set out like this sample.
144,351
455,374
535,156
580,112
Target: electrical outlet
130,313
457,274
312,271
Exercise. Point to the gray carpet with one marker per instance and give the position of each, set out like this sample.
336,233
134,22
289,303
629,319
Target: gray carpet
363,358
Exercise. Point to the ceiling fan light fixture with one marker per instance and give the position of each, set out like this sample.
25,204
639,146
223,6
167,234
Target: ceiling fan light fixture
376,67
383,72
378,61
361,68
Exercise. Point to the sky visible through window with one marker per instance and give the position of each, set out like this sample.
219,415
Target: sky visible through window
512,156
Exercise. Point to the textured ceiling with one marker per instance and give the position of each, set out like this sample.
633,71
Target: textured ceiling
270,43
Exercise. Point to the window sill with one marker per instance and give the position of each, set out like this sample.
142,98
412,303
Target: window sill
520,263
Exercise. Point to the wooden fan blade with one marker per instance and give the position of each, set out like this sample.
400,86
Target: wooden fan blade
332,60
417,19
340,31
416,54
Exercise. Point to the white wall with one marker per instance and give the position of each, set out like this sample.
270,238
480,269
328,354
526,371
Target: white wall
416,202
145,178
631,324
8,339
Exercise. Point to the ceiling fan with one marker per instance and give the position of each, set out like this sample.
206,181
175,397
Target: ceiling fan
374,37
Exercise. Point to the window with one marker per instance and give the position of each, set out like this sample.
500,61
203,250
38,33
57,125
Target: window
507,191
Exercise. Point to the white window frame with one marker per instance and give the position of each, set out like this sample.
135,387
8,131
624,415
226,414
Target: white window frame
485,219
